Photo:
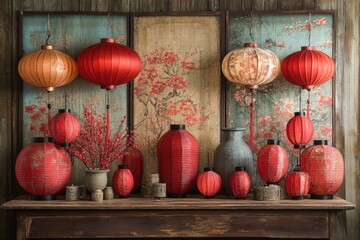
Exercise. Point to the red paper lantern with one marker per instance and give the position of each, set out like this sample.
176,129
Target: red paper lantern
109,64
43,169
308,68
135,163
300,130
209,183
272,162
240,183
177,152
64,127
123,181
325,165
297,184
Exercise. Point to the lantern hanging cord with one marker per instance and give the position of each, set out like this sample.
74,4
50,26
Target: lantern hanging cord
300,99
49,109
251,27
308,104
309,28
109,24
107,137
48,30
252,113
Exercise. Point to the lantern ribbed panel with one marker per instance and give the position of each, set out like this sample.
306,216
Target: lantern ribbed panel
240,183
135,163
42,168
272,163
209,183
308,68
109,64
177,153
123,182
300,130
47,68
64,127
297,184
251,66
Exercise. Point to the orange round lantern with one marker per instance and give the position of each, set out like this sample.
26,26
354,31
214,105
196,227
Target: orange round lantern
47,68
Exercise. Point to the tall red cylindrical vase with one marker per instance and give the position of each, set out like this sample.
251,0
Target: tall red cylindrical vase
135,163
123,181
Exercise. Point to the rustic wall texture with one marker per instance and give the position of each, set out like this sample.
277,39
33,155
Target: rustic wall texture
347,80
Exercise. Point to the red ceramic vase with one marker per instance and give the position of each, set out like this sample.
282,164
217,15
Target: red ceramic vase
177,152
209,183
135,163
325,165
123,181
272,162
297,184
240,183
300,130
43,169
64,127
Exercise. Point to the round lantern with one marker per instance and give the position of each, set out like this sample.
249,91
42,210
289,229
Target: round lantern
209,182
308,68
109,64
272,162
135,163
43,169
300,130
47,68
64,127
123,181
251,66
177,152
325,165
297,184
240,183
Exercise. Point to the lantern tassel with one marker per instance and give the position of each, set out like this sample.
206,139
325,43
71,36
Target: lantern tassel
49,110
252,113
107,119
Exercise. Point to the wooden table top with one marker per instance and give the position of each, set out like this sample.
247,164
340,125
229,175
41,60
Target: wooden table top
195,202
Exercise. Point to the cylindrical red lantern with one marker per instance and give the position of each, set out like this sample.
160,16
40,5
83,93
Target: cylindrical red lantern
135,163
109,64
64,127
272,162
297,184
123,181
325,165
43,169
300,130
240,183
209,182
177,152
308,68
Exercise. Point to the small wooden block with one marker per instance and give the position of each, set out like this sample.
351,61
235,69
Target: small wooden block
267,193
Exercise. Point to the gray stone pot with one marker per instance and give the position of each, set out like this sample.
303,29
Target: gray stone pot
232,152
95,179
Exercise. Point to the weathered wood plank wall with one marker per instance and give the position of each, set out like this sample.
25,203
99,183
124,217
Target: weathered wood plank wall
347,83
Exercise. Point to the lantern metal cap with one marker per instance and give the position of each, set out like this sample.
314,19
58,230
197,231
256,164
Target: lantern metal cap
47,47
107,40
251,44
273,142
307,48
237,169
42,139
298,146
65,110
320,142
297,114
123,166
177,127
207,169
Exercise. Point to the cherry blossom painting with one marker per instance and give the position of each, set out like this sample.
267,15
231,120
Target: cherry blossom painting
179,82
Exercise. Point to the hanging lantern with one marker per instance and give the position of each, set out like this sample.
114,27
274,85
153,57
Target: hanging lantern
240,183
109,64
177,152
42,169
209,182
47,68
297,184
64,127
325,165
135,163
272,162
123,181
300,130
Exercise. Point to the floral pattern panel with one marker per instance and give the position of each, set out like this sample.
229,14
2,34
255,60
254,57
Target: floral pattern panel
179,82
275,103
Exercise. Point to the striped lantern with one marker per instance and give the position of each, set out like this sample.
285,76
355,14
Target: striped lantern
177,152
209,183
43,169
109,64
325,165
64,127
300,130
47,68
297,184
123,181
240,183
135,163
272,162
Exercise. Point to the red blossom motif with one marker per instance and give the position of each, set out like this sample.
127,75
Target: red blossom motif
38,118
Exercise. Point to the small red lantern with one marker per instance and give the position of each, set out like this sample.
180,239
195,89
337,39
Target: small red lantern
177,152
300,130
64,127
209,182
43,169
272,162
297,184
240,183
135,163
109,64
123,181
325,165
